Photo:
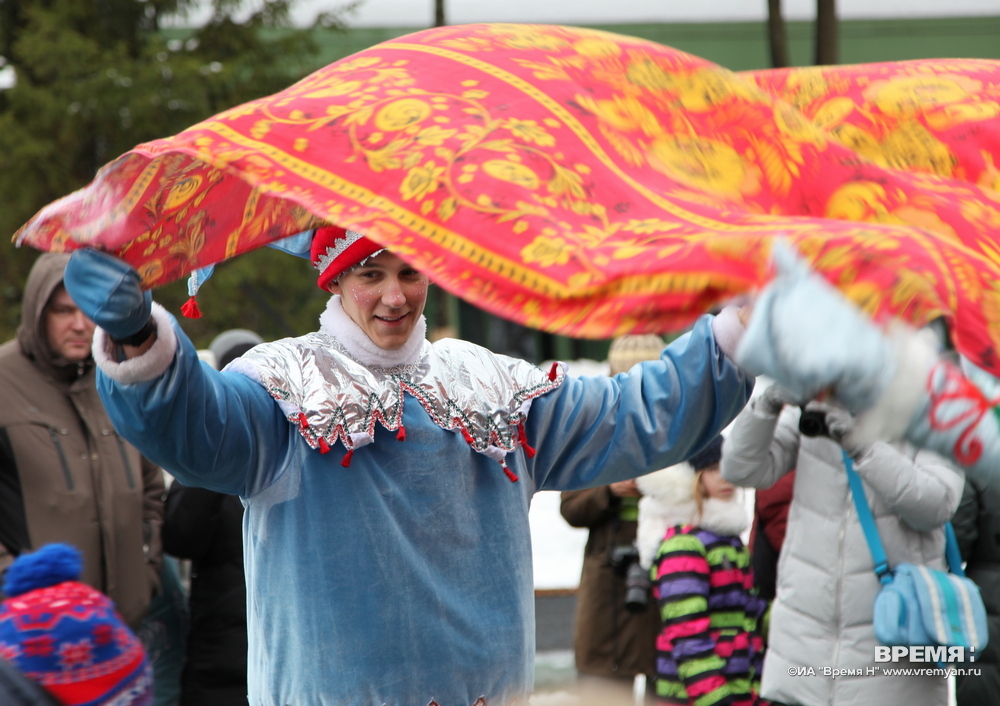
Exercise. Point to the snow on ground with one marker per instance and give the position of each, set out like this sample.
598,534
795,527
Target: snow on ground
557,547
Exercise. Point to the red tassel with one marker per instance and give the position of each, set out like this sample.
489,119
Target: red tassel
401,434
554,371
346,461
190,309
467,436
303,422
323,446
511,476
523,438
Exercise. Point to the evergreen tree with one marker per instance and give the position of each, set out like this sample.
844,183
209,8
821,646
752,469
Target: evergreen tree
95,78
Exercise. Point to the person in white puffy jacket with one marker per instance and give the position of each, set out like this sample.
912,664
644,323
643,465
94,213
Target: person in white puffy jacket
822,615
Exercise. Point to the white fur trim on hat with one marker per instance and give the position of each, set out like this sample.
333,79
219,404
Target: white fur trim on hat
145,367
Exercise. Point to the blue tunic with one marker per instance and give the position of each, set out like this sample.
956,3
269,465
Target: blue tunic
406,579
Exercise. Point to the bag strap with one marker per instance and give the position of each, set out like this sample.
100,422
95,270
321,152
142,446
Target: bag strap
951,552
867,521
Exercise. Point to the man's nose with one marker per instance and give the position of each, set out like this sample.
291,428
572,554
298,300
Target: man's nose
392,294
80,320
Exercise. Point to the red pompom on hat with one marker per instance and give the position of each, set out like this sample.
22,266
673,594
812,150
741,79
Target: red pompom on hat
336,250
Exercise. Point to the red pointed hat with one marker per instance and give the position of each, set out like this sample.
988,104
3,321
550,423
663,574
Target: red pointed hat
336,250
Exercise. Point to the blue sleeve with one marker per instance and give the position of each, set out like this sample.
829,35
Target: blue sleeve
594,431
209,429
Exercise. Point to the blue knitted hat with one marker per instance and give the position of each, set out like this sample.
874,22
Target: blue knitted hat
708,456
67,637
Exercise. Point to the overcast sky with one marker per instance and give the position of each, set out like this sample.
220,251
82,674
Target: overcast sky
419,13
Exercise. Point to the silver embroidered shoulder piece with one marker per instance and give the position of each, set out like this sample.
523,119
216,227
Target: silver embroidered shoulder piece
462,387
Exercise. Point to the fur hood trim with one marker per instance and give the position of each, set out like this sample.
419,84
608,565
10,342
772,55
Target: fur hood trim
668,500
670,486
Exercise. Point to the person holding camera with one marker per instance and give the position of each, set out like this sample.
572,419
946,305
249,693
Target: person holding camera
613,640
710,648
614,636
822,616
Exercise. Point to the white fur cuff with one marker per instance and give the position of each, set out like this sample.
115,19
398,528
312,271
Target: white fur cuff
728,330
147,366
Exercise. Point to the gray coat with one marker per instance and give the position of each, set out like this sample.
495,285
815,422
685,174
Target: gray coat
822,615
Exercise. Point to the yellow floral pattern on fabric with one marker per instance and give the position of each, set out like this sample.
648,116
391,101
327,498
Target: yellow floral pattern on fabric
587,183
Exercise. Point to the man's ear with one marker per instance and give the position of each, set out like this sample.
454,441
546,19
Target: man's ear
333,287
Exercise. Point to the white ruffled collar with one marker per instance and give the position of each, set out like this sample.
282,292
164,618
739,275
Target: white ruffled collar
335,322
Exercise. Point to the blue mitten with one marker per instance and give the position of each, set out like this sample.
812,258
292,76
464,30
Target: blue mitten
108,290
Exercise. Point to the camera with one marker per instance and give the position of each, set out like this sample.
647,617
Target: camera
812,422
623,556
625,560
636,588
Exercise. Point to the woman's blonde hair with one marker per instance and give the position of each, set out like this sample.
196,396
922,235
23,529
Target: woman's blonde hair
698,493
708,457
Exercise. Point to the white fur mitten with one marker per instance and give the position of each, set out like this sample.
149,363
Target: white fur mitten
810,339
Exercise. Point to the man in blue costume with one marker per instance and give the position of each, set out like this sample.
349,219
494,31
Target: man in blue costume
387,549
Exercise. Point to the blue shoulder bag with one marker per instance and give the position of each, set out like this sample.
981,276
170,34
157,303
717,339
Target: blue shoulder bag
919,605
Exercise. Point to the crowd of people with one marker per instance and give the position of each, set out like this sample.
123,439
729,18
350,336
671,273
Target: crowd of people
353,504
758,623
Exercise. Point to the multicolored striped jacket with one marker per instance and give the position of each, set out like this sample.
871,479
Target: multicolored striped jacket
710,650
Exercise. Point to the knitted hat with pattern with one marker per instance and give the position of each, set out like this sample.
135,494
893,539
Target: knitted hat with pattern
626,351
335,250
67,636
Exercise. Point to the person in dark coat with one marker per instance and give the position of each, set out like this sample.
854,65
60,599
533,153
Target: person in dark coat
612,643
66,475
207,528
977,528
767,534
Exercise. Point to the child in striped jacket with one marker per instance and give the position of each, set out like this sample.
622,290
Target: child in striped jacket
710,649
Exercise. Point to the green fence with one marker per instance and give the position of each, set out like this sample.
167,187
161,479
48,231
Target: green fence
743,45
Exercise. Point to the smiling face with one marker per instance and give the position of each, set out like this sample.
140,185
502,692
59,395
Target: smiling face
69,332
385,297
